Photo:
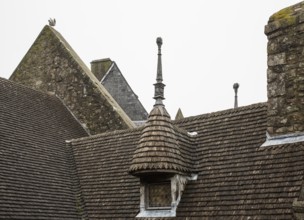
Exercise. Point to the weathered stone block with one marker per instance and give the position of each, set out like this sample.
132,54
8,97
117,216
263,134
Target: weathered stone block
288,67
282,43
276,88
280,130
271,75
301,20
292,58
292,108
276,59
298,127
270,130
296,117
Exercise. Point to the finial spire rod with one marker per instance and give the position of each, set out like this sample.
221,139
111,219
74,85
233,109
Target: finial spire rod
235,87
159,86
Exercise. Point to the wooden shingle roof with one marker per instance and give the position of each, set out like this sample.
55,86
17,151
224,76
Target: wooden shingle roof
36,169
237,179
158,149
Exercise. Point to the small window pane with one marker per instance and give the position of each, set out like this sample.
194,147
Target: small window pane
159,195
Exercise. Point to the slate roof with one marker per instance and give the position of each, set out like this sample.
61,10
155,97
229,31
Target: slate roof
119,88
36,169
237,179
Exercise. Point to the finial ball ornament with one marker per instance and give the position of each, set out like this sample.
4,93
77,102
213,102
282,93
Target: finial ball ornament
159,41
236,85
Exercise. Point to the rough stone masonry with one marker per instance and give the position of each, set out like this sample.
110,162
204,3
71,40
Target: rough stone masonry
285,74
52,66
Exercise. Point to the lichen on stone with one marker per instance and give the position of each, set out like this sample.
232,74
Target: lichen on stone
287,16
285,13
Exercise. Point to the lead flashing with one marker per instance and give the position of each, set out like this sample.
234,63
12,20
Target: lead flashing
283,139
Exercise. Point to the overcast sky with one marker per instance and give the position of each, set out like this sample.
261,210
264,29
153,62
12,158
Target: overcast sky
207,45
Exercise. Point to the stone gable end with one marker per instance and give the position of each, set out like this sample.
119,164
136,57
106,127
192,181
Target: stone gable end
52,66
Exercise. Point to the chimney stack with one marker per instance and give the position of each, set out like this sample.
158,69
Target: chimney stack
285,73
100,67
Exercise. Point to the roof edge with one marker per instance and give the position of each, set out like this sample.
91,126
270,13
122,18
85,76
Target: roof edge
222,112
106,134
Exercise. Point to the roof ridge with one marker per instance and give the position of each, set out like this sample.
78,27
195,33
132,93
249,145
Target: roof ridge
107,134
222,112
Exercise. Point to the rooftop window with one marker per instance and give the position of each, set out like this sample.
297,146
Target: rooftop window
158,195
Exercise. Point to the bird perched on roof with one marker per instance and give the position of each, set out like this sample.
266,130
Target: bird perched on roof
52,22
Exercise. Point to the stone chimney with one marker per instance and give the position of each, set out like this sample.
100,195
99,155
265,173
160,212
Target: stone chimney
100,67
285,73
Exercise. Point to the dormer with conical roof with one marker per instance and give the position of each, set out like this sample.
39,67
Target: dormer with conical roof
163,158
158,150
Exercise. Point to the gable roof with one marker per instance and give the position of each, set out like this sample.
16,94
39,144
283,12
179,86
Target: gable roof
236,178
36,175
51,65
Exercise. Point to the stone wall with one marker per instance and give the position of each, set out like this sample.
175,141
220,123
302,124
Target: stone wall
285,74
52,66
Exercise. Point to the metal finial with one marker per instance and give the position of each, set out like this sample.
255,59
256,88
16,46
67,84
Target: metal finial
159,86
159,42
159,77
52,22
235,87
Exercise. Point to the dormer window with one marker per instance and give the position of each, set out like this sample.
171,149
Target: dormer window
158,195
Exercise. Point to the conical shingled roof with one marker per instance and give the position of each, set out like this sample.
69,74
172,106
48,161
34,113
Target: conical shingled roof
158,150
